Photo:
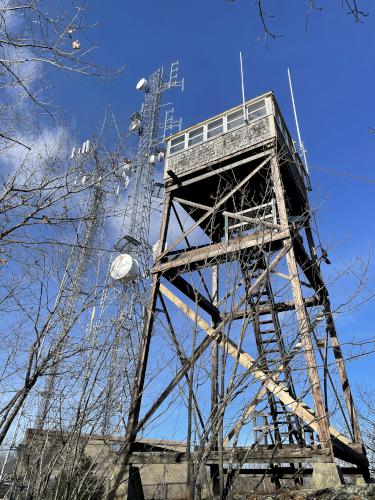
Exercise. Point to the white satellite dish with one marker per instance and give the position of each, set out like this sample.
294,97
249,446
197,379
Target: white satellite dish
161,156
135,124
152,160
124,268
141,85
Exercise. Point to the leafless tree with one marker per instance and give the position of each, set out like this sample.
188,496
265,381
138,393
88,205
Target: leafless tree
37,38
52,226
264,11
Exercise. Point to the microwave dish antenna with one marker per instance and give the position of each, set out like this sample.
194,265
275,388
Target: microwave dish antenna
142,84
124,268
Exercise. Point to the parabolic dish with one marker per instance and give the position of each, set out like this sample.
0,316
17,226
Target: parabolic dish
141,84
134,125
124,268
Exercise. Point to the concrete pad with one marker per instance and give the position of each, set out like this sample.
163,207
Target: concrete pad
325,475
360,480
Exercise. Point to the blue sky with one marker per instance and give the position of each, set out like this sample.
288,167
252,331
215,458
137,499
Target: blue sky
333,71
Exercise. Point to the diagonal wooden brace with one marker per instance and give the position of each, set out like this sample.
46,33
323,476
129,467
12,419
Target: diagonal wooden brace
250,408
248,362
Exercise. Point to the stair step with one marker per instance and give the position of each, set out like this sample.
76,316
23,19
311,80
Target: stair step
265,321
269,351
268,331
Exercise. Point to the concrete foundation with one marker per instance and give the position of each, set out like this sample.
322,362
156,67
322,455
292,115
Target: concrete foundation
326,475
360,480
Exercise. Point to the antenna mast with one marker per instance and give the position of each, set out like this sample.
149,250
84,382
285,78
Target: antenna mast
243,88
301,146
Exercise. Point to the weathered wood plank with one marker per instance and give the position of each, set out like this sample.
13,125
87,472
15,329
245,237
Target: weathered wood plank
204,255
240,455
288,305
189,203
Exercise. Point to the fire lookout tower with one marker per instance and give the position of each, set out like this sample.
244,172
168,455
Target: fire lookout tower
260,362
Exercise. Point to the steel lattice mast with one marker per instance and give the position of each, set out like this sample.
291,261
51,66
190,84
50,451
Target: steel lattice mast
139,206
135,242
73,280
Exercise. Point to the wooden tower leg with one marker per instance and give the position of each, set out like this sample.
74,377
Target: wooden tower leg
215,469
139,379
303,319
131,429
331,329
337,352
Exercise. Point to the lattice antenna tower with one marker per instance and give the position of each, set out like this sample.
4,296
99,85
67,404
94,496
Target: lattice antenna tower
76,266
150,149
132,265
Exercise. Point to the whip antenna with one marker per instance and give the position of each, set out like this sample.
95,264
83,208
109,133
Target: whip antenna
301,146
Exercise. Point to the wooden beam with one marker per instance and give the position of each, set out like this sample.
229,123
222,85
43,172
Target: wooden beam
240,455
308,266
288,305
282,275
222,250
181,201
173,176
252,220
216,471
181,284
351,453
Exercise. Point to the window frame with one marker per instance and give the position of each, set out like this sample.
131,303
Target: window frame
188,138
183,142
224,126
221,125
239,112
261,107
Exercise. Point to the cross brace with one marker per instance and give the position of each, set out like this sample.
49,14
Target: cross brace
300,408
